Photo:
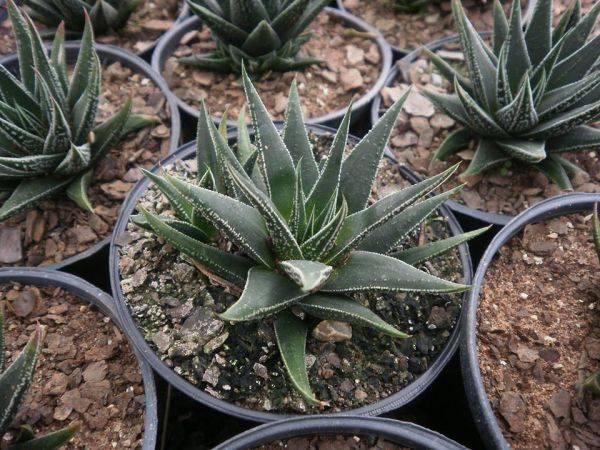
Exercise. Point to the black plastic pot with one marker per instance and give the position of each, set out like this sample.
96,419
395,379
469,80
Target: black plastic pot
88,293
474,217
401,433
170,41
390,403
400,53
109,54
476,395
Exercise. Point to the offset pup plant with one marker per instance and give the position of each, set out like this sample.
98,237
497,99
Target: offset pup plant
305,236
528,98
49,140
265,34
592,383
14,384
105,15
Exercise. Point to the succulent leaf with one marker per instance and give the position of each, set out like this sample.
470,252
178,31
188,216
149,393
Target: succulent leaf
360,167
367,271
417,255
344,309
265,293
16,379
309,275
50,441
290,332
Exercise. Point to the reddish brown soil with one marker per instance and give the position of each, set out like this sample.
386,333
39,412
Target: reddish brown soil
351,67
539,336
57,229
86,372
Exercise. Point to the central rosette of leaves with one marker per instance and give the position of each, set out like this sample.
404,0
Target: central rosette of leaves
304,233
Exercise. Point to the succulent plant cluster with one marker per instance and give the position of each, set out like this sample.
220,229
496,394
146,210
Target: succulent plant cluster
49,139
14,384
105,15
305,236
265,34
592,383
530,96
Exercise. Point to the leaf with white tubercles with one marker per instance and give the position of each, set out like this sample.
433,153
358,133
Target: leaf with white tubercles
278,166
232,267
77,191
388,236
290,332
265,293
344,309
16,379
242,224
487,155
358,225
366,271
422,253
309,275
360,167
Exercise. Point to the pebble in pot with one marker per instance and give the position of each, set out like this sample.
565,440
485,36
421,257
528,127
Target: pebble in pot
300,254
533,330
333,56
71,157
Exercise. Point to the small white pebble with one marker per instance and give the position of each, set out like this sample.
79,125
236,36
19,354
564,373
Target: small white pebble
534,317
523,296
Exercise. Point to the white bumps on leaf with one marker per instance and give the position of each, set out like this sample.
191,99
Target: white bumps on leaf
309,275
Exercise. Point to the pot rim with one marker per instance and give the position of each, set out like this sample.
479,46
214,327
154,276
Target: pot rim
132,61
394,401
473,381
395,431
163,51
86,292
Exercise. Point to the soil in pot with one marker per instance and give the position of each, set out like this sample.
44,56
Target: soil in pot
174,306
351,67
332,443
422,128
57,228
86,372
410,31
539,336
144,27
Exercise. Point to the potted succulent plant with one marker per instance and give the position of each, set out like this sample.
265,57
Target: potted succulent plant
510,164
86,377
333,56
408,24
530,348
271,246
360,433
63,163
135,25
